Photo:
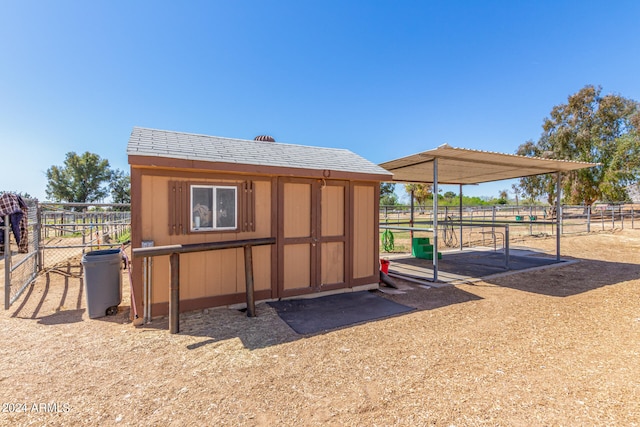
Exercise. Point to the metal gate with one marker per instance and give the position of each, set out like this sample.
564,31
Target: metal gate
59,234
20,268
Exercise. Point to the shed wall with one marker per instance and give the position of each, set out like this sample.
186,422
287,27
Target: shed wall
365,246
204,274
348,224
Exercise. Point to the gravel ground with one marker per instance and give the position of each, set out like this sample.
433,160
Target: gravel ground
558,346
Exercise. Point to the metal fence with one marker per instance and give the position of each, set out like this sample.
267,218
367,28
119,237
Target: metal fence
67,231
59,234
20,269
482,223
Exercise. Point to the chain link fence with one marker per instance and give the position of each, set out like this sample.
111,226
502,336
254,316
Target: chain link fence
67,231
58,236
19,265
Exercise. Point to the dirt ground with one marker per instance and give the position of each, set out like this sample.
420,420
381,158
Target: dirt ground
557,346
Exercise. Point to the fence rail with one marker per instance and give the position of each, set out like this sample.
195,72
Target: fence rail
59,234
174,252
575,219
471,225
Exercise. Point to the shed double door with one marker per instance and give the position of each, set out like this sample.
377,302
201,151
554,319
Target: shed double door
312,235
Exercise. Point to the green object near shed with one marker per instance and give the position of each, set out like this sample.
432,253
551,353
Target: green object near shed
422,248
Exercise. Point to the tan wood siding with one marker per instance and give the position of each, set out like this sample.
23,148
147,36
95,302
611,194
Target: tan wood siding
332,270
297,210
333,211
212,273
363,230
298,266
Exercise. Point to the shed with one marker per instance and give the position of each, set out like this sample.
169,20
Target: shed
321,205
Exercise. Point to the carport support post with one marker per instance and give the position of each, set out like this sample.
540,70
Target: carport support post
435,219
411,219
174,301
558,214
506,246
248,273
460,216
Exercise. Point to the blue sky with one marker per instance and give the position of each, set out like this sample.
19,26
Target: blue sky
382,78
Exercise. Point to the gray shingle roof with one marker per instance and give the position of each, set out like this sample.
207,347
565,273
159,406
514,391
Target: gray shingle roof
179,145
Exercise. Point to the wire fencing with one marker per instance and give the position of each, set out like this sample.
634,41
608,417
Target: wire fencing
20,264
70,230
59,235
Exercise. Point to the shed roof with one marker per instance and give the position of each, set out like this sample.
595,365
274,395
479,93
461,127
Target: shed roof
465,166
203,148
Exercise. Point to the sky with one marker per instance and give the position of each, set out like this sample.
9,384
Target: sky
384,79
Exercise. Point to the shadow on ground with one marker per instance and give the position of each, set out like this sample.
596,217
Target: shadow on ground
570,279
57,299
528,271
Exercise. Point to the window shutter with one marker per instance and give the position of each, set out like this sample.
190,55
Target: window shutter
178,205
248,219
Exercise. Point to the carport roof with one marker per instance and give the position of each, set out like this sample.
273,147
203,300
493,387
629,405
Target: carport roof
465,166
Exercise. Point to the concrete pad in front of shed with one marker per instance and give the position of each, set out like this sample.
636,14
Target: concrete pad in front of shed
467,266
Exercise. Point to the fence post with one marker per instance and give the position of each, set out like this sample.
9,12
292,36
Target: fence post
7,262
174,302
589,219
248,272
613,218
37,234
493,219
84,228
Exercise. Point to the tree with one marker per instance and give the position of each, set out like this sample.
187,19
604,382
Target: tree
590,128
120,187
388,196
516,192
503,197
449,195
82,179
421,192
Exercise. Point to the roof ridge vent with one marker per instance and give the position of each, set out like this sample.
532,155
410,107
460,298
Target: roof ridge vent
264,138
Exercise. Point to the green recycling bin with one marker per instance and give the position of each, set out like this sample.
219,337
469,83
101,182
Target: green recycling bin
102,282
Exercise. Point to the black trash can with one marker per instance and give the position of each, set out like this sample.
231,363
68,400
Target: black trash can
102,282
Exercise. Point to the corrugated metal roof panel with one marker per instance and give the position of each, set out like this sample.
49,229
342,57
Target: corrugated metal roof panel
465,166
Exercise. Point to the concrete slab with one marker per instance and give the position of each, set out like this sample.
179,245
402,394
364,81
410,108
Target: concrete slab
468,265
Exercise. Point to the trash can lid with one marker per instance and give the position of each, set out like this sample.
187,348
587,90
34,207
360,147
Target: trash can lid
103,252
102,255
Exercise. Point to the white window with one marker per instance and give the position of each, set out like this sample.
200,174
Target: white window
213,207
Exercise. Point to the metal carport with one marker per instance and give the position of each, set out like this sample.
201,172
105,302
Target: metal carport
450,165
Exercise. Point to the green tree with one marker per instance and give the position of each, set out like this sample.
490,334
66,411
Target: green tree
536,186
82,179
388,196
450,195
120,186
421,192
503,197
591,128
